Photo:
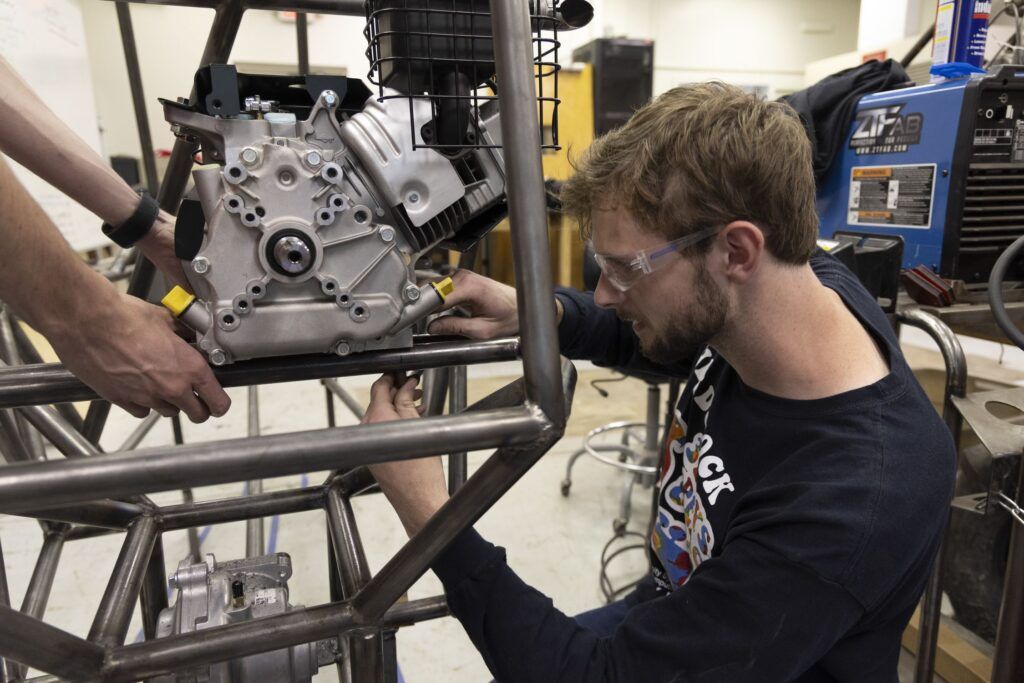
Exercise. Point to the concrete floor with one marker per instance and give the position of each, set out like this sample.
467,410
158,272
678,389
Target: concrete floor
552,541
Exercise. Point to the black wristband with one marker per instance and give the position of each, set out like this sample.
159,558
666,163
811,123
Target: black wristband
137,225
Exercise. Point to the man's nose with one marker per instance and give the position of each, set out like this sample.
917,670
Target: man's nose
605,294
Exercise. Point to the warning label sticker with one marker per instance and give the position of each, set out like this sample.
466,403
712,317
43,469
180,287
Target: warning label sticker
894,196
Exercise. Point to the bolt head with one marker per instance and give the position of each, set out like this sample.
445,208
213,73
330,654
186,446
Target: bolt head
330,97
200,264
218,357
249,155
412,293
387,234
342,348
313,158
413,198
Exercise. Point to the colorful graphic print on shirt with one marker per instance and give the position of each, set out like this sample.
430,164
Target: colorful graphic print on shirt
691,477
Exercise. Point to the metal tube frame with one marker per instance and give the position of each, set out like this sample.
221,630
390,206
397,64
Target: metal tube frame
522,420
956,385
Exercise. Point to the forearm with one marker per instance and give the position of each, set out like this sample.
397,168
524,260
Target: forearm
37,139
38,252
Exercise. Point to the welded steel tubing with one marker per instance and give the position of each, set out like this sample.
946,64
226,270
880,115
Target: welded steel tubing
435,390
67,440
30,486
956,385
131,61
5,601
110,626
140,431
302,42
173,653
80,533
239,509
1008,658
95,416
457,385
329,399
348,547
52,383
153,597
527,210
32,442
186,494
107,514
30,355
254,543
334,387
496,476
38,592
365,651
12,447
46,648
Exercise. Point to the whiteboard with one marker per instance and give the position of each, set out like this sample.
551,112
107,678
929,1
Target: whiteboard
44,40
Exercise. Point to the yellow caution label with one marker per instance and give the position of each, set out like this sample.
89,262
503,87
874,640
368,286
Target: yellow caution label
863,172
177,300
443,288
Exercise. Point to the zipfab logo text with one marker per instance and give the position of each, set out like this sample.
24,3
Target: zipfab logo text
884,130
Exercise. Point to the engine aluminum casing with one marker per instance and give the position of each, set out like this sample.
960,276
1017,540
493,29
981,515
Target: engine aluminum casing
205,600
338,188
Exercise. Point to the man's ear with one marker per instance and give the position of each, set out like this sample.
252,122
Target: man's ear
742,244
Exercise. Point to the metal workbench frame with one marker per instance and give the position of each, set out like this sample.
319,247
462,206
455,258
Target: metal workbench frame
88,493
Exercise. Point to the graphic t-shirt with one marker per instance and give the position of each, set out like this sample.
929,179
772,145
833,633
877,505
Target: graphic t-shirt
792,540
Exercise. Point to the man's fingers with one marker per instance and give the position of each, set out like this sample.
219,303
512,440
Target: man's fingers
405,404
381,391
164,408
210,393
133,409
196,409
474,328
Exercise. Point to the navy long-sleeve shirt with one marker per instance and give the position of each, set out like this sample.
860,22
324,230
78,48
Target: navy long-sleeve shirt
792,542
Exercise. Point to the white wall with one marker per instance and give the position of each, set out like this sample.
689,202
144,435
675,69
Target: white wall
170,42
748,42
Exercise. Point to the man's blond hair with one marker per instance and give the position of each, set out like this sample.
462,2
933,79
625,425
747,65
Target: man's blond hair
704,155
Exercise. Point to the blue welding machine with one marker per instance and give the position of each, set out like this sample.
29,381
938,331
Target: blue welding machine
941,166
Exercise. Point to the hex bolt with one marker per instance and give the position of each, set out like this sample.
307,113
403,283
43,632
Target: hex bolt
249,156
200,264
329,97
412,293
387,233
218,357
313,158
342,348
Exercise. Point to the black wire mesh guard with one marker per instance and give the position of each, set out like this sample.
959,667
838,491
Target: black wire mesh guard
441,52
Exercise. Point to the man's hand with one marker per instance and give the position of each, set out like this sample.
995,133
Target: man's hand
416,488
491,305
158,247
128,353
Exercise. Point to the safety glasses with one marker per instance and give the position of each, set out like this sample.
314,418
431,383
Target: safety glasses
625,271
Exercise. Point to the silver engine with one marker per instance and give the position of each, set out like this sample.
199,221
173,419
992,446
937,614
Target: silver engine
310,229
212,594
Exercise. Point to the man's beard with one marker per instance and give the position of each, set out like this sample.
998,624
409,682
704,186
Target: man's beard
683,335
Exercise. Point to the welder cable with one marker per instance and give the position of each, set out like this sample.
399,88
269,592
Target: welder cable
995,292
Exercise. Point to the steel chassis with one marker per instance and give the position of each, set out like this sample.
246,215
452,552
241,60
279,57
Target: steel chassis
90,493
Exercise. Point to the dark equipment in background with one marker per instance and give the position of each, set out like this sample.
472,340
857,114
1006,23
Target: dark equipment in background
623,78
875,260
128,169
